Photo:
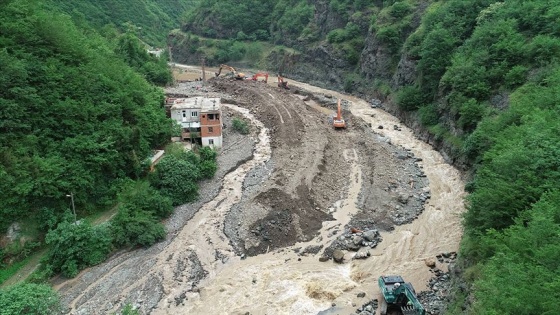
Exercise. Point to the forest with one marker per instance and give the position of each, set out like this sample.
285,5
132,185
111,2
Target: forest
81,111
483,80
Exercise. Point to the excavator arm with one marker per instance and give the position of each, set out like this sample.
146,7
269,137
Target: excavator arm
236,75
338,121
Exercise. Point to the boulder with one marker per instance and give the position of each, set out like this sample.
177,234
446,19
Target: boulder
371,235
430,262
363,253
338,256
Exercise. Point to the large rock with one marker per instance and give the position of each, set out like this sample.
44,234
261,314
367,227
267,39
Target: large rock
430,262
371,235
363,253
338,256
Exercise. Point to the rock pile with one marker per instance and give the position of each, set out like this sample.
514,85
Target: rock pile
369,308
435,299
359,241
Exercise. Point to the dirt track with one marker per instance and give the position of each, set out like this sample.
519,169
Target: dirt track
304,184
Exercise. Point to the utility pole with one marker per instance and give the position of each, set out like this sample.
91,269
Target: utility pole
73,207
171,64
203,72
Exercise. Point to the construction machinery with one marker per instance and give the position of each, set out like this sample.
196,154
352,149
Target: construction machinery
233,72
398,296
282,83
338,121
256,76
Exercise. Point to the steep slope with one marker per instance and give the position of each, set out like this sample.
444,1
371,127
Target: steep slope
150,19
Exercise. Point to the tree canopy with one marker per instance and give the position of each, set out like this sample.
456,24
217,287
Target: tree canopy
74,117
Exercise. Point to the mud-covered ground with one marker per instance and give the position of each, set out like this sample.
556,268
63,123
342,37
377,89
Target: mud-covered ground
283,200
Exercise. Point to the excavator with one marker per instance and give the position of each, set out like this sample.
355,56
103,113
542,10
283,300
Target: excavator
282,83
398,296
338,121
236,75
260,74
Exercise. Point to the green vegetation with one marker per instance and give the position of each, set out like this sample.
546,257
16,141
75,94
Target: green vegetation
74,246
29,298
79,116
134,53
148,19
240,126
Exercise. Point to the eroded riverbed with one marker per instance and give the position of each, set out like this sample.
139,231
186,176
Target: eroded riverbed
307,177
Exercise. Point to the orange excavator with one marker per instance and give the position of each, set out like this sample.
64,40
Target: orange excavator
282,83
236,75
338,121
260,74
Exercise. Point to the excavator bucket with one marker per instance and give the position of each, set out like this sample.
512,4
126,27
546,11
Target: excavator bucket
409,310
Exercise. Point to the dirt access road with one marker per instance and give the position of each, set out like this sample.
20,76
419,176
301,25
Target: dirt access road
252,244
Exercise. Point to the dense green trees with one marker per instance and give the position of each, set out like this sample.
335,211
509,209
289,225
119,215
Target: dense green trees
78,116
74,246
29,298
149,19
177,174
74,117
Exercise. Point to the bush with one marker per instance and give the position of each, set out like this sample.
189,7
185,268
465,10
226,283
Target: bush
73,247
140,195
132,227
410,98
176,178
429,115
471,113
29,299
516,76
240,126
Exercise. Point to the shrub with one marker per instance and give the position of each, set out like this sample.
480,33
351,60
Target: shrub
176,178
140,195
240,126
410,98
29,299
516,76
429,115
132,226
471,113
73,247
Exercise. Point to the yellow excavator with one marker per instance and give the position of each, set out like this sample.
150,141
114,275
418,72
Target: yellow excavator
233,72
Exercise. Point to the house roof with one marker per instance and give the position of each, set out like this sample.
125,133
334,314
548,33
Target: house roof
203,103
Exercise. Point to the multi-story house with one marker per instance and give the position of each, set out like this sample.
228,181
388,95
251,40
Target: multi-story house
200,119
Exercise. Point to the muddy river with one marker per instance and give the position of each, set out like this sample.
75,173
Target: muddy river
283,282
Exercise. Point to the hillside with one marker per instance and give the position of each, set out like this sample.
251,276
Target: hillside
149,19
478,79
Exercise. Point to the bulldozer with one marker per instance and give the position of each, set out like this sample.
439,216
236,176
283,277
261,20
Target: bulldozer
398,296
338,121
233,72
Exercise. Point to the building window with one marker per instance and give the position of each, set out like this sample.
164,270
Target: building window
184,113
194,114
210,129
217,116
211,141
211,116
